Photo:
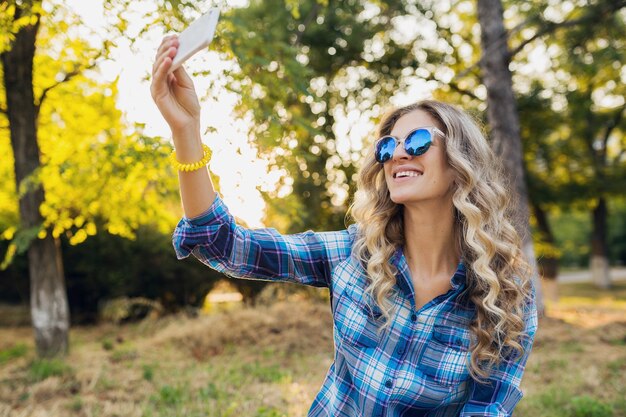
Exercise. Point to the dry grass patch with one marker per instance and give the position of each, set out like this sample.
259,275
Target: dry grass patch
270,361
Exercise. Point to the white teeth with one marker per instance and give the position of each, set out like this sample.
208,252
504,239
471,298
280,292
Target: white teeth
407,174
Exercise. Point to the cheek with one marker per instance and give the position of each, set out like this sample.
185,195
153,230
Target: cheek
449,177
388,176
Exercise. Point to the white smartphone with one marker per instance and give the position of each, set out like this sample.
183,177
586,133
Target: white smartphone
196,37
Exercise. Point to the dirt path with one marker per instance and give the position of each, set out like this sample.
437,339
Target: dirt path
617,274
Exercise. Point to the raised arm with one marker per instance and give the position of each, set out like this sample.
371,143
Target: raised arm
208,231
218,241
176,98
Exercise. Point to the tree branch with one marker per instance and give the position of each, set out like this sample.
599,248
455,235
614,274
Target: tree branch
312,14
550,27
453,85
67,77
612,124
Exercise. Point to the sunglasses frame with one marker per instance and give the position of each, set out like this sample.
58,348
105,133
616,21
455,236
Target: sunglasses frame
433,130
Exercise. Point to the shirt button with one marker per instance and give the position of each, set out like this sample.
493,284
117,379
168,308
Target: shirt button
413,317
400,350
389,384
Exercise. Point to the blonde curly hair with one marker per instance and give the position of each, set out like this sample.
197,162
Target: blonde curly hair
498,276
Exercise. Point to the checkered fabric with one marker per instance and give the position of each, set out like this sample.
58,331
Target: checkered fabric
415,367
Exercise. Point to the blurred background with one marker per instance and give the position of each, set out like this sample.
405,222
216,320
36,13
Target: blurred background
98,318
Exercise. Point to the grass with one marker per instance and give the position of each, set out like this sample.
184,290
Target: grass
17,351
41,369
148,372
271,361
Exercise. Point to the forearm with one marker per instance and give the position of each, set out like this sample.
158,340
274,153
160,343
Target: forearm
196,189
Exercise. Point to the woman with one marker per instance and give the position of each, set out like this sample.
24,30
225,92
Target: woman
432,306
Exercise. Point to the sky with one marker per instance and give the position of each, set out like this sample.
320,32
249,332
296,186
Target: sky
234,159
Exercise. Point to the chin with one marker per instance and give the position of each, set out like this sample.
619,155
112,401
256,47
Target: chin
402,198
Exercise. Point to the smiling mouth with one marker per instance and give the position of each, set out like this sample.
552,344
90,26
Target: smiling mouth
407,174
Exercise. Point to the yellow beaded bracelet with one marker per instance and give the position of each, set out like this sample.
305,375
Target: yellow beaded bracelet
195,165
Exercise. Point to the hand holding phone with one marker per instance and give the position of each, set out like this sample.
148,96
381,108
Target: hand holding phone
195,38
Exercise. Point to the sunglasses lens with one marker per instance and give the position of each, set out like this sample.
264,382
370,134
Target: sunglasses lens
384,149
418,142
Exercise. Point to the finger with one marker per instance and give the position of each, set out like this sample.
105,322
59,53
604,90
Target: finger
165,47
170,53
183,79
159,85
167,42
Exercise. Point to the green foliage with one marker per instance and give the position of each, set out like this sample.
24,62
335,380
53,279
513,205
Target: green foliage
586,406
16,351
618,366
551,402
107,266
572,228
98,172
300,67
571,231
124,354
617,231
19,244
210,392
148,372
76,404
172,396
264,373
107,344
41,369
572,116
269,412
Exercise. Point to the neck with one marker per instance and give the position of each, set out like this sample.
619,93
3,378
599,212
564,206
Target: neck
430,245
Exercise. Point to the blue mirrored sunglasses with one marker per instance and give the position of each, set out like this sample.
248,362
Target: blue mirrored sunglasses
416,143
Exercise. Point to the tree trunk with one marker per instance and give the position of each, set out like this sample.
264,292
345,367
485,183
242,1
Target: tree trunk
504,119
48,300
599,251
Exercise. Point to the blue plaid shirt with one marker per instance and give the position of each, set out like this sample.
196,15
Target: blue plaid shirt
416,367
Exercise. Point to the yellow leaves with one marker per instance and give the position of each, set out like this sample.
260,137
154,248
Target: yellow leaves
546,250
98,175
93,208
79,221
294,7
120,230
7,10
57,230
8,233
90,229
8,257
79,237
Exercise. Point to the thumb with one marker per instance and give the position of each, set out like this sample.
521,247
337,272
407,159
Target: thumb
182,78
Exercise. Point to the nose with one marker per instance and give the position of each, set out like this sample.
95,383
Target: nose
399,153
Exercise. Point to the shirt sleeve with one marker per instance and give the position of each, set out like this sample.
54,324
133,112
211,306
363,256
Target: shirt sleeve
501,392
216,240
